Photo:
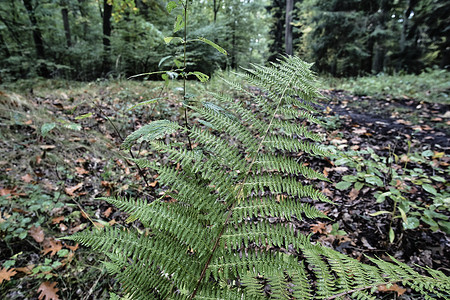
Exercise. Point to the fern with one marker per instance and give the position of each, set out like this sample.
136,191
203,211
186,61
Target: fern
229,230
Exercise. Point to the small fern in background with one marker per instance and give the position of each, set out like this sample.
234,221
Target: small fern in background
228,230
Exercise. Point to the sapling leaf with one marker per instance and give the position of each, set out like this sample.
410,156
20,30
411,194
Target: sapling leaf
381,212
200,76
83,116
179,24
429,188
171,5
343,185
46,128
411,223
146,102
214,45
391,235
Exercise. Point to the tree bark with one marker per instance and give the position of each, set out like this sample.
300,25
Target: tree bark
216,8
288,27
42,69
65,17
107,13
37,35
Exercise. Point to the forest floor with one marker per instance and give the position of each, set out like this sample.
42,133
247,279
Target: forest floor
60,151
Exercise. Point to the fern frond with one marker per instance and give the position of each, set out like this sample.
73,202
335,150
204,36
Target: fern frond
152,131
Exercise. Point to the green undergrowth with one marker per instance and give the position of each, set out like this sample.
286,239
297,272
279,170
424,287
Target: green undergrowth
430,86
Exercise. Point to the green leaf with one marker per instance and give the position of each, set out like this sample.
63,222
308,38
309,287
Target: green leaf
214,45
391,235
72,126
374,180
445,226
438,178
358,185
427,153
403,214
83,116
171,6
164,58
412,223
429,188
154,130
200,76
46,128
350,178
146,102
168,39
381,212
179,24
343,185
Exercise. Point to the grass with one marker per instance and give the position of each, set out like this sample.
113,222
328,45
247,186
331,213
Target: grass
430,86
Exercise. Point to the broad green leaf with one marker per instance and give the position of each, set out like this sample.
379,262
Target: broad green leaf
343,185
214,45
171,6
46,128
374,180
358,185
427,153
381,197
391,235
72,126
438,178
412,223
200,76
350,178
445,226
381,212
429,188
168,39
179,24
83,116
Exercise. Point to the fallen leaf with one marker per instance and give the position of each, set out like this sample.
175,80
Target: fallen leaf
27,178
153,184
71,190
37,233
57,220
4,192
394,288
319,228
6,274
81,171
353,194
62,227
26,270
48,291
73,248
51,246
107,212
47,147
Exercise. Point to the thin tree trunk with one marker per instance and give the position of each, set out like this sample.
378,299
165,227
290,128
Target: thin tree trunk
37,35
107,13
65,17
4,47
233,47
216,8
38,40
288,27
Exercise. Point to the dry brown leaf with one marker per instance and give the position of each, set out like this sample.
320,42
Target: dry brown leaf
26,270
71,190
62,227
51,246
48,291
107,212
153,184
394,288
47,147
319,228
27,178
57,220
353,194
37,233
6,274
73,248
4,192
81,171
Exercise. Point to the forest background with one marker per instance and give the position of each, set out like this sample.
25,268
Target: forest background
86,39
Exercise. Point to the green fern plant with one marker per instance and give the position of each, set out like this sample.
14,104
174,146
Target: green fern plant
229,231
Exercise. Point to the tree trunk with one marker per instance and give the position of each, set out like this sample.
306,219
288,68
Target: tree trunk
216,8
65,17
107,13
37,37
288,27
3,47
233,47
